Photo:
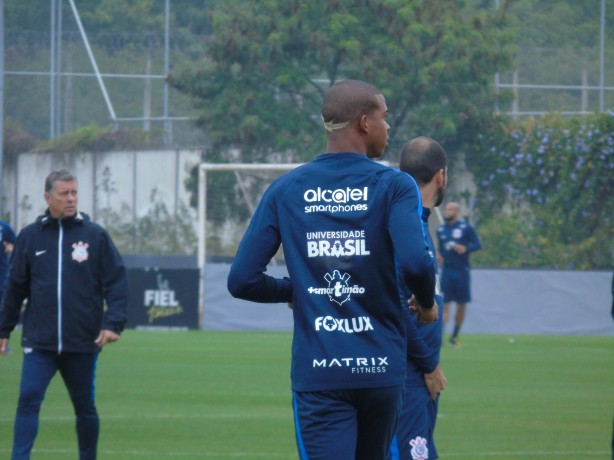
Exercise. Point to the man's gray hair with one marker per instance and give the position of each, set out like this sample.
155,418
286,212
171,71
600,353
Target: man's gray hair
62,175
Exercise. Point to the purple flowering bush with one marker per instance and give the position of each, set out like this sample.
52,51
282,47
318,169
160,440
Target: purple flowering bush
546,193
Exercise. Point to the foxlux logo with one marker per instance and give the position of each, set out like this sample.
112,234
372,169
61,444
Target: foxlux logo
342,243
338,289
347,325
338,200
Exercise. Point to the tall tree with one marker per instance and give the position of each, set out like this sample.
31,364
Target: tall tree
268,63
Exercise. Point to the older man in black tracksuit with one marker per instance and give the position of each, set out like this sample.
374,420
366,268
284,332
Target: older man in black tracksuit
66,267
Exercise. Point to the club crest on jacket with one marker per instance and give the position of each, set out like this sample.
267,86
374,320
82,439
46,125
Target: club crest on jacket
79,252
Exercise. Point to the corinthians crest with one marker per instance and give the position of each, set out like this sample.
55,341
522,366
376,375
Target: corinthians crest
338,289
419,451
79,252
336,283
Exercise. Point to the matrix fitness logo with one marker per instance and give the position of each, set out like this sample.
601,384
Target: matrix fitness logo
356,365
338,290
338,200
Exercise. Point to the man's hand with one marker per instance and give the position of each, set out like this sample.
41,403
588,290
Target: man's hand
435,382
8,247
424,315
4,346
459,248
106,336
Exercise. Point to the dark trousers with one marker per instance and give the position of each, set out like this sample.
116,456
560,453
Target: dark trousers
78,371
346,424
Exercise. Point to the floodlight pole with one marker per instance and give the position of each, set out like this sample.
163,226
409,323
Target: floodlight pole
602,58
1,107
93,61
168,135
52,72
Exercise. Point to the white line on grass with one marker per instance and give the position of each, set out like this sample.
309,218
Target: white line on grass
160,454
226,416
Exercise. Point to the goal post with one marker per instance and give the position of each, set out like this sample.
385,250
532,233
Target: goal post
251,199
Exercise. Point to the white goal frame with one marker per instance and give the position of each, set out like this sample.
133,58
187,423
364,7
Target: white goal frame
203,169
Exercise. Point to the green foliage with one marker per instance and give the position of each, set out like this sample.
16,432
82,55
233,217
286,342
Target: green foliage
97,139
16,141
157,232
549,183
268,65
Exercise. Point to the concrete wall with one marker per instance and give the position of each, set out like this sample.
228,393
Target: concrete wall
504,302
112,180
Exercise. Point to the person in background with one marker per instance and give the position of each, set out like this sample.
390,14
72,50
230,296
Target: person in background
67,268
426,161
344,220
457,240
7,237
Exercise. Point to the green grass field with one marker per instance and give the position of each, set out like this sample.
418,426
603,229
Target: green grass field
225,395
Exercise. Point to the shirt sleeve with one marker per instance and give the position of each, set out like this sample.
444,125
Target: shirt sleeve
17,289
114,284
8,235
474,241
247,279
405,228
418,351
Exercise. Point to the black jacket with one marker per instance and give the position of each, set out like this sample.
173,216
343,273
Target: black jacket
66,269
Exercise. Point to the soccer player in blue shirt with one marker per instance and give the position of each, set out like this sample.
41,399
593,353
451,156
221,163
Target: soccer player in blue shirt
457,239
342,218
426,161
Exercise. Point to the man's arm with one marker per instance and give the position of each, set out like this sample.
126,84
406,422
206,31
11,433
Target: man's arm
474,243
405,228
114,287
247,279
17,290
418,352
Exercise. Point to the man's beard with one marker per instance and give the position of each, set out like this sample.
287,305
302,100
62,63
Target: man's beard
439,195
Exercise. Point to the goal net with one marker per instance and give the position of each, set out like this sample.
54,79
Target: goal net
228,194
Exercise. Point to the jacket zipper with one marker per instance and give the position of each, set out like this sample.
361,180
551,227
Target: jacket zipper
60,238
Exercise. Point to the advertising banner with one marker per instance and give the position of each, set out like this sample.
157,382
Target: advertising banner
163,298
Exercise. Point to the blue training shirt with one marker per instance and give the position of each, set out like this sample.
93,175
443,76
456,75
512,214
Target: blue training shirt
460,232
341,218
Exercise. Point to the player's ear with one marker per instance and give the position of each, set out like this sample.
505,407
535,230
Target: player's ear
363,123
440,178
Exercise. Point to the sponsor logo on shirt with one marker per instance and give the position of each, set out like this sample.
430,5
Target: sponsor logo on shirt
342,243
357,365
338,200
346,325
338,290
